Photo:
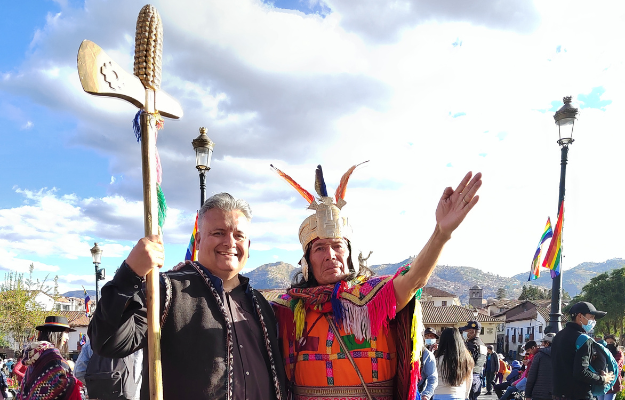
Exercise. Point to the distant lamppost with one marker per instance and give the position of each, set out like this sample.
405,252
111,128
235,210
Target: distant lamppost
565,119
96,254
475,313
203,153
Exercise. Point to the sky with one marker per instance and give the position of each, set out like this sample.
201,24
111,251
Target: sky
426,90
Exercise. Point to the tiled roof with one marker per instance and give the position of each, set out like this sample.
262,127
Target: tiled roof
435,292
75,318
452,314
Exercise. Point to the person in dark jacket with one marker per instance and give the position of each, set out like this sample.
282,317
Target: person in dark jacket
218,334
539,384
572,377
512,376
491,368
476,347
611,345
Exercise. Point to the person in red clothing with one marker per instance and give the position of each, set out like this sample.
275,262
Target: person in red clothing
503,367
19,369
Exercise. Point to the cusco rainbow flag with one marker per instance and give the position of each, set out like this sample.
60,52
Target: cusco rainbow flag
191,250
553,258
547,233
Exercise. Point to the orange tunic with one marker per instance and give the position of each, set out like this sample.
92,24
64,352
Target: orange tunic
317,359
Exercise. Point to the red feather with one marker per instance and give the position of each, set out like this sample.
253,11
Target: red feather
340,191
305,194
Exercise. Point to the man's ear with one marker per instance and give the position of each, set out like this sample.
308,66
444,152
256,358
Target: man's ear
197,238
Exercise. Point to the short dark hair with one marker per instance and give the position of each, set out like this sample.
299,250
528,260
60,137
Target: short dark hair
530,344
610,337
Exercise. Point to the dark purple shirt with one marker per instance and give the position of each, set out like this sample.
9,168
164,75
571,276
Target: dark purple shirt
252,377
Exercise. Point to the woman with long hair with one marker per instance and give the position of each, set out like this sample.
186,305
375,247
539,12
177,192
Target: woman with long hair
454,364
48,376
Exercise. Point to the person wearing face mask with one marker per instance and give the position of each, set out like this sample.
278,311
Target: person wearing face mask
572,377
429,374
471,335
611,344
48,376
539,384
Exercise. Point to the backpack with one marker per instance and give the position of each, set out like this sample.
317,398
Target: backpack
111,378
601,360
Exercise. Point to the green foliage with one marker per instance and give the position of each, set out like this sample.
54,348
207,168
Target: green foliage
531,292
19,312
501,293
607,293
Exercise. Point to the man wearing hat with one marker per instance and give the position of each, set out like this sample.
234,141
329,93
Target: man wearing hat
346,333
471,334
572,379
429,373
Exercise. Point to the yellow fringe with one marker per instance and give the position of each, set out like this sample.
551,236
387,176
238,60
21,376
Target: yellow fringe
416,332
299,316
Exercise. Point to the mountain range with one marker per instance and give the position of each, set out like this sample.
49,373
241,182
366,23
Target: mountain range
454,279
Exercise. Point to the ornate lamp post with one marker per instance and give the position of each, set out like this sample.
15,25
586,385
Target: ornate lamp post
96,254
565,119
203,153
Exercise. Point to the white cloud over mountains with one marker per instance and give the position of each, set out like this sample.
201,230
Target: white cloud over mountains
380,82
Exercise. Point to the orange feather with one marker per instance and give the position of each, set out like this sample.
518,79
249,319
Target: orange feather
342,188
305,194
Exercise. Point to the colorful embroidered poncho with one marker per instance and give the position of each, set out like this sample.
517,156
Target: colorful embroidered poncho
48,375
384,345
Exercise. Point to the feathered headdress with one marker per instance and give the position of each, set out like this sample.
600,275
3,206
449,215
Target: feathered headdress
326,223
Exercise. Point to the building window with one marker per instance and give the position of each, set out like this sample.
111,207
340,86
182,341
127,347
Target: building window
482,331
529,330
540,329
444,303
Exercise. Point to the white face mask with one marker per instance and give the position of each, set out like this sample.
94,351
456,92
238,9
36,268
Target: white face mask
429,342
465,335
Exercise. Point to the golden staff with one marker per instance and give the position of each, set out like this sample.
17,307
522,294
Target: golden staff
101,76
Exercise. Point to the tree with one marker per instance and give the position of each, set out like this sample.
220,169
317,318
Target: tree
501,293
531,292
20,313
607,293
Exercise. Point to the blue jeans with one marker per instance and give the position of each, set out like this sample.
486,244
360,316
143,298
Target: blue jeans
509,392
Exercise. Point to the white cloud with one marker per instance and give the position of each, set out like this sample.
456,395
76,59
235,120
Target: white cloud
297,90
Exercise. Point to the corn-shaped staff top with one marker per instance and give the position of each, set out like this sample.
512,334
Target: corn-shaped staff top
149,47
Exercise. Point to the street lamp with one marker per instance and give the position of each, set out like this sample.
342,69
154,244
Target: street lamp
96,255
203,153
565,119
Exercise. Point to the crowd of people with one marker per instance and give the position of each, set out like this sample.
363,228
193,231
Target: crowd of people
338,332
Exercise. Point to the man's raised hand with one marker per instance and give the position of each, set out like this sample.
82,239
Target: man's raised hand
454,205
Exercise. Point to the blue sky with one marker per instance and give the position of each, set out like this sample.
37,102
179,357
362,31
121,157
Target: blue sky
425,90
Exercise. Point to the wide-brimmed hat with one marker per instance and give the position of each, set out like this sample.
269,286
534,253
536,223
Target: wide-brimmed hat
584,307
431,331
55,323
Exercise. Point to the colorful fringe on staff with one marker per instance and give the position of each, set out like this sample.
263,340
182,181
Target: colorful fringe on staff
157,120
535,270
191,250
553,257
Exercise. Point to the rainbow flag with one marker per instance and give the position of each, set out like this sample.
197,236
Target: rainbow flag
553,258
191,250
547,233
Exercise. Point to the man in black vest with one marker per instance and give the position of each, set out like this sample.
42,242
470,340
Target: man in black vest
572,377
471,333
218,335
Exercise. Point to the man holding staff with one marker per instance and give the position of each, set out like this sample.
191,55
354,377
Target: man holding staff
218,335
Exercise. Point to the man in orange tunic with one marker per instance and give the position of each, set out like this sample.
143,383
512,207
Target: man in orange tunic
340,327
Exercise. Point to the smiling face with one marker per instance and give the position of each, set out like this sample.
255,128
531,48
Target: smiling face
328,260
223,242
